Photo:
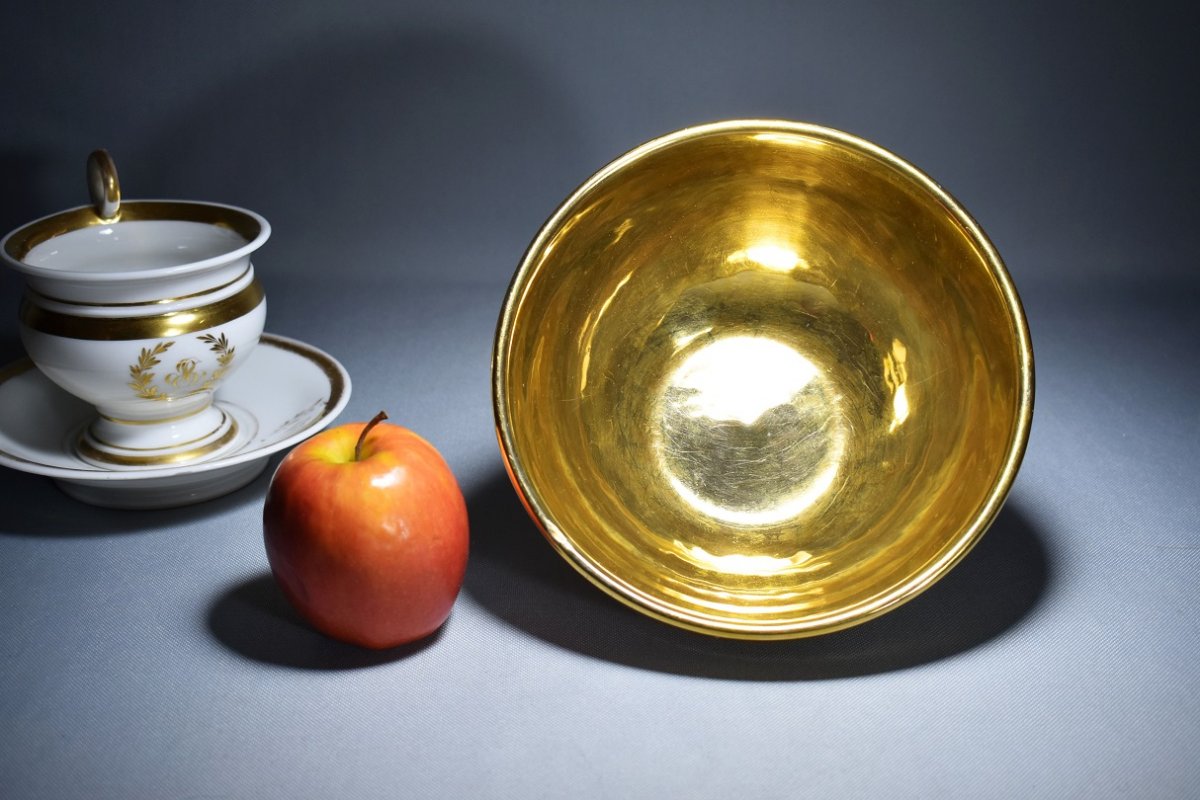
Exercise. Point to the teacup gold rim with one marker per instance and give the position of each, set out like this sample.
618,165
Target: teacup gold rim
251,226
870,608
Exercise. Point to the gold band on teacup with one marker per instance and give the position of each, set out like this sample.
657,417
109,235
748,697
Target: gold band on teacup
225,419
163,302
92,452
154,326
159,421
33,234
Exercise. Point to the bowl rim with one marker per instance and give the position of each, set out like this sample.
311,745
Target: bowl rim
858,612
251,226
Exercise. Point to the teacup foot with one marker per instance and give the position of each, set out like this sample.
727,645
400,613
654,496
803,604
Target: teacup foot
115,443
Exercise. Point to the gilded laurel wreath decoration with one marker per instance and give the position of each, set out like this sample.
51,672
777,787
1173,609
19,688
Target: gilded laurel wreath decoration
187,377
142,375
219,345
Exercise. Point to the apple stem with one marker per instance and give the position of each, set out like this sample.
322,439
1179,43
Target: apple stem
362,437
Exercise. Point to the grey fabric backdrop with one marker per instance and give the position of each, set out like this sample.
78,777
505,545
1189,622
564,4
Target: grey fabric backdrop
405,155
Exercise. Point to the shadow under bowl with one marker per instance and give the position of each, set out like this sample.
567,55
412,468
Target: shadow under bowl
762,379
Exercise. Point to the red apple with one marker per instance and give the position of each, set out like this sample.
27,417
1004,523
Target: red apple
366,532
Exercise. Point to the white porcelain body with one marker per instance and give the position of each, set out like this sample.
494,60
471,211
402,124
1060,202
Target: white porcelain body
144,320
151,394
286,391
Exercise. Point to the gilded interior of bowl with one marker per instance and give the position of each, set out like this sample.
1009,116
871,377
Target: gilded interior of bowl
762,379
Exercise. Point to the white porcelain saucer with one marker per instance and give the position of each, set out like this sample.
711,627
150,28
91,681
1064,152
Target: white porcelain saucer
285,392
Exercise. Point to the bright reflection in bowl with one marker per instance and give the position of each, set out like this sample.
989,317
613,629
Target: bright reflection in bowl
740,417
770,255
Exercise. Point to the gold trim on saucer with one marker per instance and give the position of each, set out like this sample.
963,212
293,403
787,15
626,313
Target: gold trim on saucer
154,326
337,386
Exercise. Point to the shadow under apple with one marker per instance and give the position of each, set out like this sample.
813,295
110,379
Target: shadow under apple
253,619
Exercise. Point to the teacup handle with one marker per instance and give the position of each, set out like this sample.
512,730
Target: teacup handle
103,185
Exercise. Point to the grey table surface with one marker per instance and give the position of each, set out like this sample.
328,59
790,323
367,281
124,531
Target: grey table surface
405,156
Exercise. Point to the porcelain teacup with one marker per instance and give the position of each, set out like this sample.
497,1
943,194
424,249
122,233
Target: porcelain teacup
143,314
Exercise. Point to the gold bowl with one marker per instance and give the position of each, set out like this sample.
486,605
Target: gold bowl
762,379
